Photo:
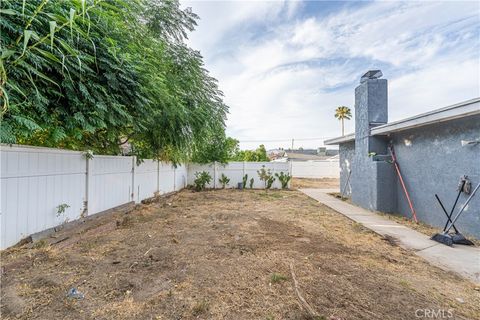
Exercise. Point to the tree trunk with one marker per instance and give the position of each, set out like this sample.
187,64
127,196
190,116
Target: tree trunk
343,128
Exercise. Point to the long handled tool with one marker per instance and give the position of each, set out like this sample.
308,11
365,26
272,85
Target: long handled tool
445,237
397,168
457,237
346,184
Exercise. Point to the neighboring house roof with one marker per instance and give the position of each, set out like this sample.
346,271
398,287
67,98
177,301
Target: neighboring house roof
456,111
304,157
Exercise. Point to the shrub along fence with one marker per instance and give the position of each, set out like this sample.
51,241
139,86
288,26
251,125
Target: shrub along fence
42,188
235,171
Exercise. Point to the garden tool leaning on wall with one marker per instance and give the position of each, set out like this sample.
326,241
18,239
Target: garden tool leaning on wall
455,238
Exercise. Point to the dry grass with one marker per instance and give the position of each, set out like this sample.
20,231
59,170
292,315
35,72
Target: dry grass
225,255
324,183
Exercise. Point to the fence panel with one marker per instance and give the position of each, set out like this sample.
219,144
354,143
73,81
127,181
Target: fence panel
233,171
111,182
166,178
34,183
180,177
146,180
316,169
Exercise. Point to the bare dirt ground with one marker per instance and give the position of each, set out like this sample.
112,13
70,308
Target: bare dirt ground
226,254
324,183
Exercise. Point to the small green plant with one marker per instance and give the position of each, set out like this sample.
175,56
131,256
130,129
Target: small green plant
251,183
224,180
200,307
202,178
270,181
61,209
284,179
266,176
244,181
277,277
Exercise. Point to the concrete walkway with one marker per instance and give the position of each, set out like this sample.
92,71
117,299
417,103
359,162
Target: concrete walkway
464,260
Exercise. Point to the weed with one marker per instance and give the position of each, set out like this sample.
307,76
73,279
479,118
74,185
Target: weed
40,244
61,209
224,180
277,277
200,307
251,183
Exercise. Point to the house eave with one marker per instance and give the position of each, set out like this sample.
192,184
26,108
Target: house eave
339,140
456,111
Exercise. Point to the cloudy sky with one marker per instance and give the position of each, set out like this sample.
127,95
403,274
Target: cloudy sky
285,66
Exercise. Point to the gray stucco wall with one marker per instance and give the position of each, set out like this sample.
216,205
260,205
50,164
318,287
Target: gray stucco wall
347,152
432,160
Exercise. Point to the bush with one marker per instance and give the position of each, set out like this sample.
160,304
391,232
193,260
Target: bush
284,179
251,183
244,181
224,180
201,180
266,176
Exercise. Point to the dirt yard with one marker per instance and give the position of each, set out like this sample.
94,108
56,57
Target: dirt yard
324,183
227,254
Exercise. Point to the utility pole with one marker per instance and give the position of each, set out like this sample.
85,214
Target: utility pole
292,143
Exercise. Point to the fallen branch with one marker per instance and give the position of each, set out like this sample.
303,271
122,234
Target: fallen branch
303,302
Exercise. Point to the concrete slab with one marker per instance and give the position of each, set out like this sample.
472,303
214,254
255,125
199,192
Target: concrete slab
463,260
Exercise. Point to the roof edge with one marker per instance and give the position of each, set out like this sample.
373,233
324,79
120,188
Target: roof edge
455,111
338,140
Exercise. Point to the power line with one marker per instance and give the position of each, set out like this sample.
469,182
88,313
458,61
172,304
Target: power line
286,140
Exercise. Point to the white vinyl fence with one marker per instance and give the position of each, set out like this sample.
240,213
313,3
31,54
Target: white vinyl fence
235,172
37,182
316,169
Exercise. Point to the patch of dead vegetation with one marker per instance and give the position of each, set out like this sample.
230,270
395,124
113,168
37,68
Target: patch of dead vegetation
226,254
323,183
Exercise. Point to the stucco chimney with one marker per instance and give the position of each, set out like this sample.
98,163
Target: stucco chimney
372,180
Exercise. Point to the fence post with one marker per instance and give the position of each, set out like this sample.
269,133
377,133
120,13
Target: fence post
132,195
158,178
215,175
88,204
174,178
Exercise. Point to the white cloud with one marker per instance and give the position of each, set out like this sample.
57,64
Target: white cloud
284,71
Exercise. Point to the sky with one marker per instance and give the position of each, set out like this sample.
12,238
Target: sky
284,66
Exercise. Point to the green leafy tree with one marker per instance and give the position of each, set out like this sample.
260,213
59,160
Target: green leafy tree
258,155
217,147
101,74
342,113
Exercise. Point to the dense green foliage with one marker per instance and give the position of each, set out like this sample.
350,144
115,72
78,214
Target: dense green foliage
96,74
259,155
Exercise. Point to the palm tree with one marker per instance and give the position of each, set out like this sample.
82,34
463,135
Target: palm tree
342,113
